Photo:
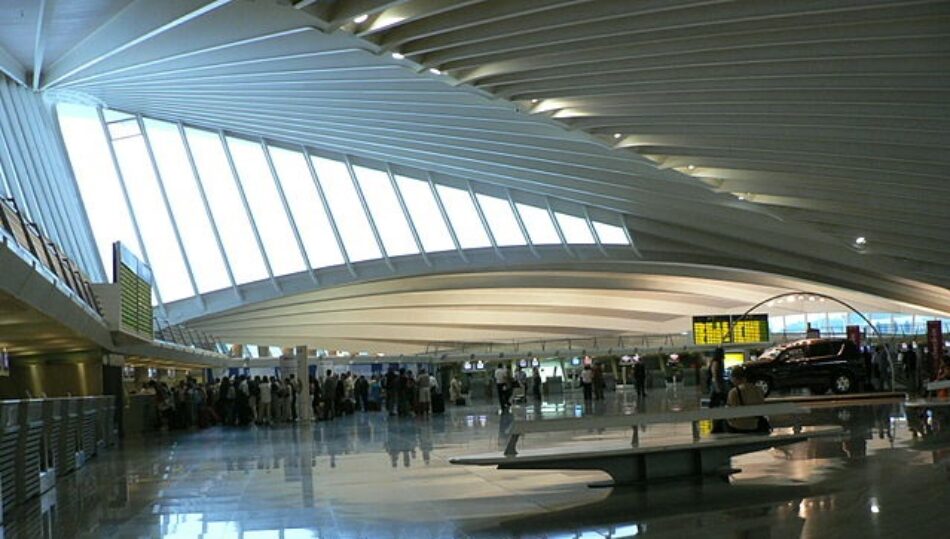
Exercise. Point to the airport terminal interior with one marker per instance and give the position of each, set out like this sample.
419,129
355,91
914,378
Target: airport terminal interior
287,269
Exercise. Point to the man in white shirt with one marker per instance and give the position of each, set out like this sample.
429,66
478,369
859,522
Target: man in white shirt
502,383
264,413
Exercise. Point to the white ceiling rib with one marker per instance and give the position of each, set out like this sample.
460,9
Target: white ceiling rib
829,119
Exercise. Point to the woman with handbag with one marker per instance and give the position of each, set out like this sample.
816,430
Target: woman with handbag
745,394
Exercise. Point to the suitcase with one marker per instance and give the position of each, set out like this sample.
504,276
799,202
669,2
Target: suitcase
438,403
348,407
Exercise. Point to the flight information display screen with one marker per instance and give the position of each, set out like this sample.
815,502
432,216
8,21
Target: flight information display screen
134,278
729,329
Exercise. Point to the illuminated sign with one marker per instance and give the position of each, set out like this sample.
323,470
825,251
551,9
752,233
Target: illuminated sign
714,330
732,359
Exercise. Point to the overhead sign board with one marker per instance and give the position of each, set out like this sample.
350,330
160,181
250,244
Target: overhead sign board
134,278
730,329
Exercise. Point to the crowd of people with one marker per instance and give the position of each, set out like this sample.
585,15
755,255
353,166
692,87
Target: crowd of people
267,400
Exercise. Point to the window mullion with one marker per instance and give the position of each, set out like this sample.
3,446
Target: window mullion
207,206
369,215
557,226
247,207
590,226
128,201
521,225
168,206
481,217
445,217
290,216
326,209
405,212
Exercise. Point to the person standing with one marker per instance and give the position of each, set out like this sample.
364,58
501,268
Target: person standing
294,391
882,367
910,368
423,385
587,382
502,383
745,394
455,391
329,394
264,412
390,385
640,378
599,382
362,394
536,384
717,379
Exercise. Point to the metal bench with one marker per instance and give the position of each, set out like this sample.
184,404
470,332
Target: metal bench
639,464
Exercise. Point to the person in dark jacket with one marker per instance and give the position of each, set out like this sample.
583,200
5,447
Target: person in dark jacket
640,378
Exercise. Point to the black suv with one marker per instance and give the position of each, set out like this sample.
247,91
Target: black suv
818,364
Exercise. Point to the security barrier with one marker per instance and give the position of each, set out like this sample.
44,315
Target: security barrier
41,439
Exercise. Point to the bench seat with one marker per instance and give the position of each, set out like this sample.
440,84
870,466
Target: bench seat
641,464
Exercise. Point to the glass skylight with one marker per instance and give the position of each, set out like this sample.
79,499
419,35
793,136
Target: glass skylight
465,220
504,225
575,229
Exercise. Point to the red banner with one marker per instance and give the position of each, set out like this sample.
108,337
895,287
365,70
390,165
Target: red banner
854,334
935,342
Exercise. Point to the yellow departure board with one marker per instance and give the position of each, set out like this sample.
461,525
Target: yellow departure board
135,293
715,330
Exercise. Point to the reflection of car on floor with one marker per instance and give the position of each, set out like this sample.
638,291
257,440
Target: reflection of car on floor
817,364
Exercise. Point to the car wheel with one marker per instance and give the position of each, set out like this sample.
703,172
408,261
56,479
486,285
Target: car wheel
764,385
842,383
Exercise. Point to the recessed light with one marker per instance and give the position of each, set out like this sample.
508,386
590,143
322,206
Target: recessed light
860,241
361,19
434,71
690,167
618,135
535,101
398,55
740,197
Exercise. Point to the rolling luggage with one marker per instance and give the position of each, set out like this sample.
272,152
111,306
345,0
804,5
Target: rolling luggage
438,403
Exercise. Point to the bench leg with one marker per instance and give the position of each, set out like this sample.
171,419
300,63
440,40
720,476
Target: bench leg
510,449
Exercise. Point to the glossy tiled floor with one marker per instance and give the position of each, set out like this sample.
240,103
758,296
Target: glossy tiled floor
368,476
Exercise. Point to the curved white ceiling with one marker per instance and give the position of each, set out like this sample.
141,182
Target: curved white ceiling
829,119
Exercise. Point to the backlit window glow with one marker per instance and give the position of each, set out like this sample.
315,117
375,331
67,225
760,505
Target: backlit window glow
426,217
610,234
575,229
539,225
346,209
504,225
465,220
387,213
312,222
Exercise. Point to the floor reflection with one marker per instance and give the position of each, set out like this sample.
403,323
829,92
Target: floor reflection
371,476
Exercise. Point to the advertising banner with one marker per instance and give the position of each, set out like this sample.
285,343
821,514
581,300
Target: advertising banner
935,343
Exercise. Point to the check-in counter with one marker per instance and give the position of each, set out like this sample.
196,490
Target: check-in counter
52,424
28,451
9,436
41,439
68,446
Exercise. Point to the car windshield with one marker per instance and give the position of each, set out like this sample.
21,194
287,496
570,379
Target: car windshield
771,353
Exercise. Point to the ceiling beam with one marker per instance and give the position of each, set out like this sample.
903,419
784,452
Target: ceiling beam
136,23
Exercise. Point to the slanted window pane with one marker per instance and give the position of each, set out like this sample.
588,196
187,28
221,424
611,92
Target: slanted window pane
464,217
387,213
538,222
197,236
164,255
610,234
98,184
234,225
313,225
424,211
574,228
504,225
358,238
268,210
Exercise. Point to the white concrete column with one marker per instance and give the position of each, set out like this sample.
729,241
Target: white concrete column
304,411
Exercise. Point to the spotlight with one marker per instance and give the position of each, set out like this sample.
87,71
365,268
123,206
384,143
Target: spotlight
361,19
398,55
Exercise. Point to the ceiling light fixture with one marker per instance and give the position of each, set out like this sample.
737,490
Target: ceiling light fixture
361,18
536,101
618,135
690,167
860,241
398,55
434,71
